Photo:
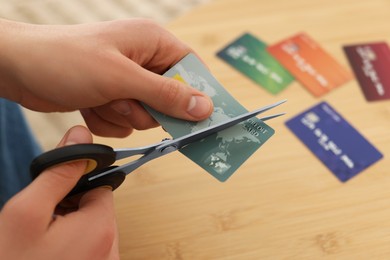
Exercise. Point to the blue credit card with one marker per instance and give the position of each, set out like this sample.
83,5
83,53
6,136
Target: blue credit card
334,141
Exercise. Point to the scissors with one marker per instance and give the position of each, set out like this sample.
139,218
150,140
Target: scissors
101,172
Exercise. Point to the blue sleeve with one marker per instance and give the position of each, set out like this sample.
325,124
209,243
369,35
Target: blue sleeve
17,149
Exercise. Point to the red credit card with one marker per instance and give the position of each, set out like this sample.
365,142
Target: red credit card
370,63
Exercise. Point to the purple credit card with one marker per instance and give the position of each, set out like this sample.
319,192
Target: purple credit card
370,63
334,141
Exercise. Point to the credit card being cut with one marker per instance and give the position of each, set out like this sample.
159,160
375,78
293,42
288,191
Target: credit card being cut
223,153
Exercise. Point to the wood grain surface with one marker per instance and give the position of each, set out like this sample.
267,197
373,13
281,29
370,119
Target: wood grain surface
283,203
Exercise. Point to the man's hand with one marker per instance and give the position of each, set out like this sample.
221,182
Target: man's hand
104,69
31,229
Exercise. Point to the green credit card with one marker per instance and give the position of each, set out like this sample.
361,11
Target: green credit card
220,154
249,55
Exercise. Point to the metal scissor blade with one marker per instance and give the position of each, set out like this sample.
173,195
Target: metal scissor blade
265,118
199,135
155,151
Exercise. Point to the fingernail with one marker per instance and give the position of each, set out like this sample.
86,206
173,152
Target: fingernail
199,106
76,135
70,138
122,107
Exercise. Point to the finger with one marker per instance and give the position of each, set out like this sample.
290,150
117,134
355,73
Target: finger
162,50
96,218
93,226
127,114
114,253
115,112
98,202
52,185
169,96
102,127
140,118
135,114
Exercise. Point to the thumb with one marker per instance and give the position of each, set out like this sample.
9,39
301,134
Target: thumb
171,96
53,184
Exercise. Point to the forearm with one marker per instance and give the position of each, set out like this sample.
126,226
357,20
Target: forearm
9,32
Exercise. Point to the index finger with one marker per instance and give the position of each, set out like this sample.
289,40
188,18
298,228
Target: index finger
96,218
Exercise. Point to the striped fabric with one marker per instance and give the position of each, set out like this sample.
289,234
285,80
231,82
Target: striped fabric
81,11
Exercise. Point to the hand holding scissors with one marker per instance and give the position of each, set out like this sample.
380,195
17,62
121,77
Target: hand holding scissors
101,172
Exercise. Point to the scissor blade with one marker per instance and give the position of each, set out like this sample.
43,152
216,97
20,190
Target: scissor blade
199,135
265,118
155,151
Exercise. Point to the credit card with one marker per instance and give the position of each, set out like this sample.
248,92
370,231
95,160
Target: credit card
370,63
334,141
249,55
220,154
310,64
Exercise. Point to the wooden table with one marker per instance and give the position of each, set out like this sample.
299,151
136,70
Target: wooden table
283,203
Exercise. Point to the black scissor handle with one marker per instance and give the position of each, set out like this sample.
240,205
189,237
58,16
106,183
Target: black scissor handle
113,180
100,158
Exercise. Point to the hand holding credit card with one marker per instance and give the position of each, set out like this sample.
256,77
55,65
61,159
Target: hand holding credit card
223,153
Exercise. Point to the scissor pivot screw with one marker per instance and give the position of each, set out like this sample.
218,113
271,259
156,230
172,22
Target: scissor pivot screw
169,149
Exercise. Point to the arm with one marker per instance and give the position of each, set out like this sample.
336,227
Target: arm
103,69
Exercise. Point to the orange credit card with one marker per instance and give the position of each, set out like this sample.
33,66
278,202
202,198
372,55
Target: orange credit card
310,64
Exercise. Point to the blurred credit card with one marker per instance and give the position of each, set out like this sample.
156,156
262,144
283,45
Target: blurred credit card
310,64
249,55
334,141
220,154
370,63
